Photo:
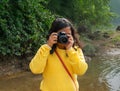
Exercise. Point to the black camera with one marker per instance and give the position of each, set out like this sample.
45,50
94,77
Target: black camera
62,38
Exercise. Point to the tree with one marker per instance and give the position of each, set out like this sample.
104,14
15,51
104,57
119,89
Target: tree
88,12
23,26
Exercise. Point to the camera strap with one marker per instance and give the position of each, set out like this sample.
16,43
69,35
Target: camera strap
66,69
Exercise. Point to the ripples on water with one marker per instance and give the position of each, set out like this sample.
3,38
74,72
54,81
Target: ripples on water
110,75
103,73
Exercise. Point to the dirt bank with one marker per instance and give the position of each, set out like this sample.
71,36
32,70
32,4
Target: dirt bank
13,65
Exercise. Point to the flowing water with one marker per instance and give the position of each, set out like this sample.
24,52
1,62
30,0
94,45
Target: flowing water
103,74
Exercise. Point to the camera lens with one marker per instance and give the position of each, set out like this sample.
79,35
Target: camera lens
62,38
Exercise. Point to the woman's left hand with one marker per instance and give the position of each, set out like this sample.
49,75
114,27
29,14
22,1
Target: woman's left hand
70,42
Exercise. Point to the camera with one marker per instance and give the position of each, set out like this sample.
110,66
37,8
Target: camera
62,38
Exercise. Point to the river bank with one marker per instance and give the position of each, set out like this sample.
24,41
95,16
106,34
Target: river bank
103,75
14,65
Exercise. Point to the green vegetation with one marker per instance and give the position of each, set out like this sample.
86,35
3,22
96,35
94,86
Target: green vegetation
116,39
85,12
24,24
89,49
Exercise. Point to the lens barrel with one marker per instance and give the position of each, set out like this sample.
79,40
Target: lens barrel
62,38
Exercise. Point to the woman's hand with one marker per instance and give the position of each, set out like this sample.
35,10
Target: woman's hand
70,42
52,39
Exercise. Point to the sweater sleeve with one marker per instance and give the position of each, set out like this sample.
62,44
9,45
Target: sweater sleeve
39,61
77,61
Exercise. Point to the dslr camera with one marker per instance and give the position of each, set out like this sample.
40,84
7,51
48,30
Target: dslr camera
62,38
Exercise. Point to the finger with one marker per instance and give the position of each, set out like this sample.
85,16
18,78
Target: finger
70,38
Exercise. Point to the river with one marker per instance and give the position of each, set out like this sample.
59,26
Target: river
103,74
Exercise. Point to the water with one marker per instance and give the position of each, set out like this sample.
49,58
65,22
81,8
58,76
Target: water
25,81
103,75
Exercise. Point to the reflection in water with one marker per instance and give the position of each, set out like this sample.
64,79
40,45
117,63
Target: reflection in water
111,74
90,81
25,81
103,74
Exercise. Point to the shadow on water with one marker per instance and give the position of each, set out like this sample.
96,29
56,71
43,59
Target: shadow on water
103,75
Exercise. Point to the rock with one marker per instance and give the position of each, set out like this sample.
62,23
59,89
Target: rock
118,28
106,35
82,29
118,44
88,59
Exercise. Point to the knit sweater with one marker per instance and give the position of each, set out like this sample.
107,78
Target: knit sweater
55,77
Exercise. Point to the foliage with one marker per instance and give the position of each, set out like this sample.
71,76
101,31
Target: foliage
23,26
116,39
89,49
86,12
24,23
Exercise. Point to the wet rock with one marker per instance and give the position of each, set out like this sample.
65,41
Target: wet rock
88,59
118,44
118,28
113,51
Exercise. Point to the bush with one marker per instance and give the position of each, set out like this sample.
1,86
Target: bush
89,50
23,26
116,39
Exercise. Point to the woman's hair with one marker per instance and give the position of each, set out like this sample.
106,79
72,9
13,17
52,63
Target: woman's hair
61,23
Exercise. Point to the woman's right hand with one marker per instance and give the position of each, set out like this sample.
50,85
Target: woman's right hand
52,39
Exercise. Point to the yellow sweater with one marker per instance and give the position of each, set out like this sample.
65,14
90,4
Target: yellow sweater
55,77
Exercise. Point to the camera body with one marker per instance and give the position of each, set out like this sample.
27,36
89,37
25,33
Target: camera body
62,38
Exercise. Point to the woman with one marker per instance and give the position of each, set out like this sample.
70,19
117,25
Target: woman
61,59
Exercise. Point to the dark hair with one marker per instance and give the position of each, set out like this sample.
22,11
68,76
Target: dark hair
61,23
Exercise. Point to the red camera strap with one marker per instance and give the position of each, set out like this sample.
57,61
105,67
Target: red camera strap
66,69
